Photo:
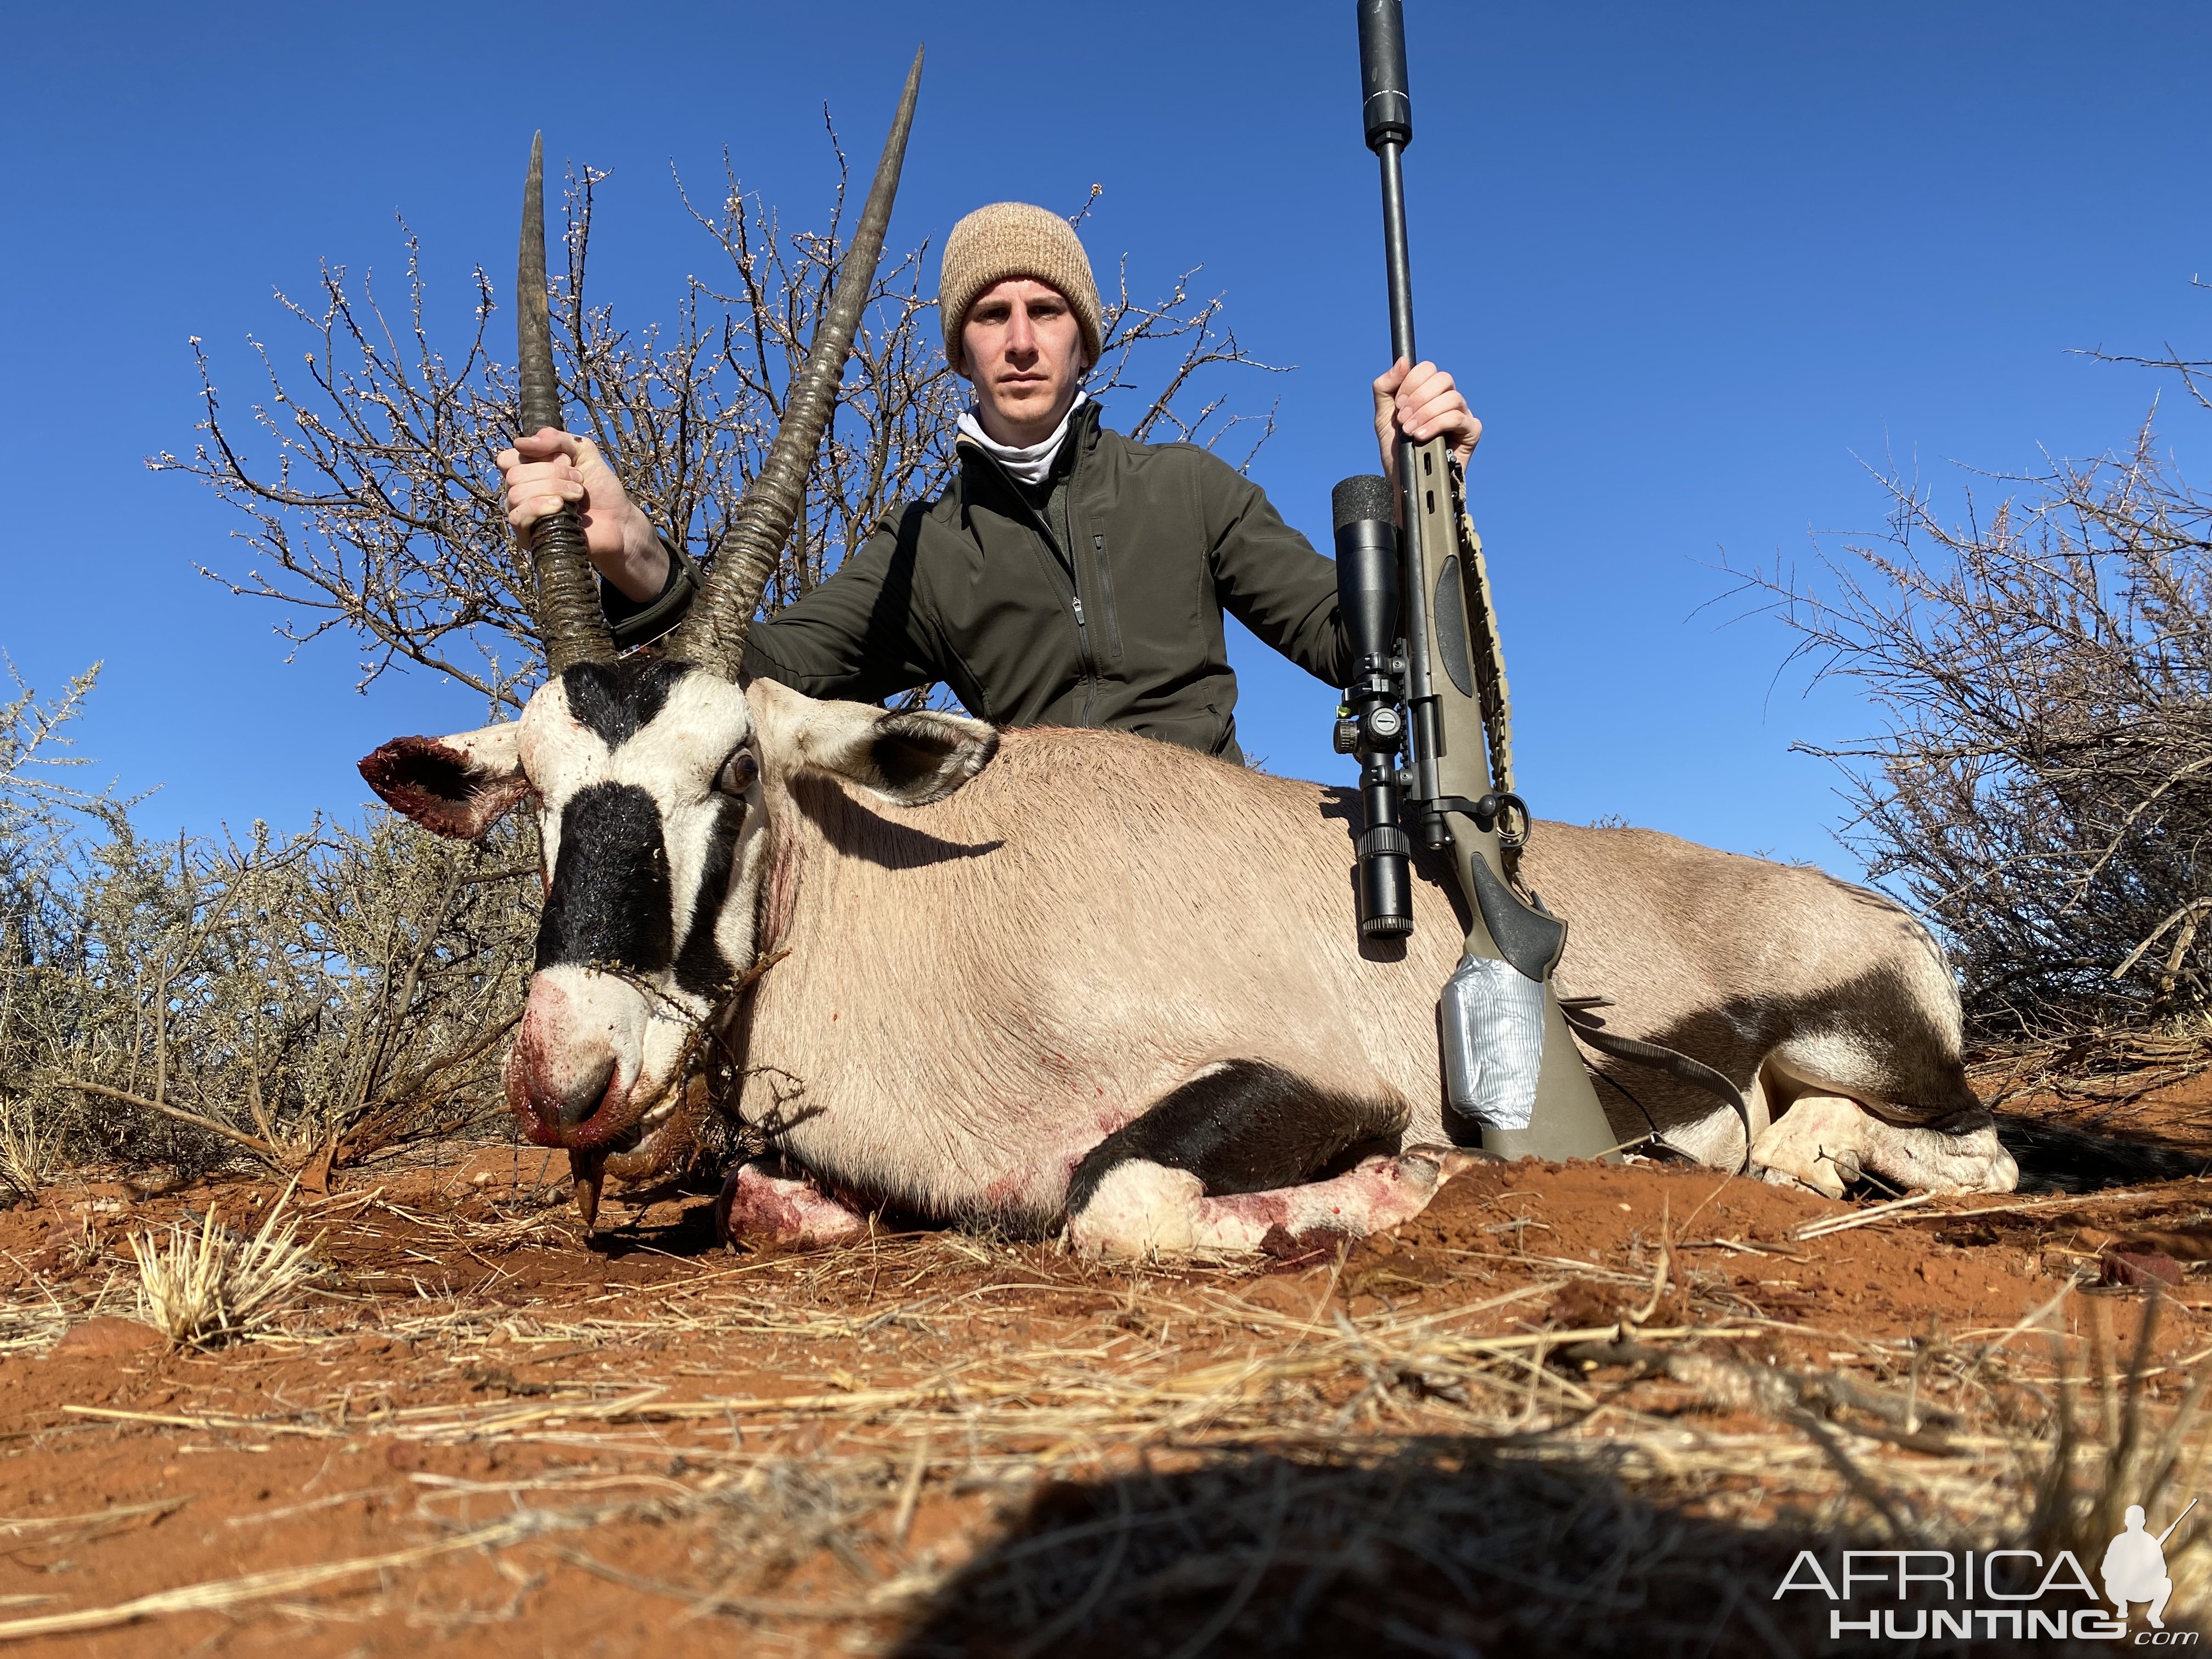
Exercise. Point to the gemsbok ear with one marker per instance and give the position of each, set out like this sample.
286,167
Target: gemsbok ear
910,758
457,787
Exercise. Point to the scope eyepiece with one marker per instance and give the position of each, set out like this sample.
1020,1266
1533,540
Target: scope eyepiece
1386,104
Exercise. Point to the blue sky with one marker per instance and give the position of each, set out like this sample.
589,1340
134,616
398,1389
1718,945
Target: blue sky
1695,264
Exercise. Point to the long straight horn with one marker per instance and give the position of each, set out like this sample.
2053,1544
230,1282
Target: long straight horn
568,617
714,636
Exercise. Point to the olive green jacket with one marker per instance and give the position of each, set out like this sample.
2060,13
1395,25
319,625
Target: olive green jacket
1095,599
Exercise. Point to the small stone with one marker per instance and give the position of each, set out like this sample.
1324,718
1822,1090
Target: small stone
154,1181
102,1339
2138,1267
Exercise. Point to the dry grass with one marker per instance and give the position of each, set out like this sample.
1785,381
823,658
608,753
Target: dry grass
1190,1459
27,1150
203,1287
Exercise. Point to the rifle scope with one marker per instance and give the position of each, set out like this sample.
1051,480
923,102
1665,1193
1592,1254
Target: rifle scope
1373,729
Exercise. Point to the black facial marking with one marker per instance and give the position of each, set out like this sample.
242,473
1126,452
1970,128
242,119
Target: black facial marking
701,969
616,700
1248,1127
609,904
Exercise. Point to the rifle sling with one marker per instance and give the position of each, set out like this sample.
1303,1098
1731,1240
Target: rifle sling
1676,1064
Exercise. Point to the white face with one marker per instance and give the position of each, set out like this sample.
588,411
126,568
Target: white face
651,779
650,816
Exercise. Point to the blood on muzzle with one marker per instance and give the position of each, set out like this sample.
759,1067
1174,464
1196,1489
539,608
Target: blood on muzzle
571,1073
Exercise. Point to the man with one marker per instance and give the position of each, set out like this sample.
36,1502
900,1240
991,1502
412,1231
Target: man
2134,1569
1068,576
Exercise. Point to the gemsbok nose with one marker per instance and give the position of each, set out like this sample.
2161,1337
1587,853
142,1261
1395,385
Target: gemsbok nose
575,1061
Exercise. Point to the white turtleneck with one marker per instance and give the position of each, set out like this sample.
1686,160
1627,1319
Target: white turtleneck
1028,464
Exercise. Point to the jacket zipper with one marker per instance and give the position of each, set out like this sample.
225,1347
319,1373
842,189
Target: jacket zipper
1075,580
1108,620
1064,565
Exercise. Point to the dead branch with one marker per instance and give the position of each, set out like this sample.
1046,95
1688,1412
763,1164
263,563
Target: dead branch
2041,788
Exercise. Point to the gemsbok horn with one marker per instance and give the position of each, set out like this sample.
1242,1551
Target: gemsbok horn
568,617
714,635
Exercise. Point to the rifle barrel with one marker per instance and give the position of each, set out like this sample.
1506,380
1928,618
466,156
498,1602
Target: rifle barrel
1388,111
1397,255
2178,1520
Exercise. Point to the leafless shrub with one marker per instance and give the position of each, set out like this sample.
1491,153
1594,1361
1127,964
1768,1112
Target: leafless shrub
322,995
2043,786
306,1000
27,1147
374,499
318,996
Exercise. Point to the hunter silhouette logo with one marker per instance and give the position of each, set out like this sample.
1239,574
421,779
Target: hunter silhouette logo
1910,1595
2135,1566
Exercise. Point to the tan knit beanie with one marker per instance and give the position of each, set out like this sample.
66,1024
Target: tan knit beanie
1013,238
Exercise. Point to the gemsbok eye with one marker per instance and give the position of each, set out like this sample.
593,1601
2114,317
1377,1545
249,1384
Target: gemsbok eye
738,773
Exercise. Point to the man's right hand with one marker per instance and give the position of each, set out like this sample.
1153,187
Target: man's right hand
550,470
1419,401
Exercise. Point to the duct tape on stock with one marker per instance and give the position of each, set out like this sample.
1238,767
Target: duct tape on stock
1493,1041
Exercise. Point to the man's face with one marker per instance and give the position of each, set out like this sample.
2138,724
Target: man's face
1024,351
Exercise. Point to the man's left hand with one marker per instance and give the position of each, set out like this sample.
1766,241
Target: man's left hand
1420,402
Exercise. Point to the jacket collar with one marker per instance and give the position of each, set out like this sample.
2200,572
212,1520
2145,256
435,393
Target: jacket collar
980,470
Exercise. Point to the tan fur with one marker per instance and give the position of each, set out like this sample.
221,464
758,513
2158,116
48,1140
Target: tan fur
979,989
1783,977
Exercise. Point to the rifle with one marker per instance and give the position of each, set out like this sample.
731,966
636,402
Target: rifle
1509,1061
2178,1520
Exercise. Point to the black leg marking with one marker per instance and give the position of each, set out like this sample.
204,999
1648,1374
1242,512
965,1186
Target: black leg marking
610,903
1248,1127
1906,1054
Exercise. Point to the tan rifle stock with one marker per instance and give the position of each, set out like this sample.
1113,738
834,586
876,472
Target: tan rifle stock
1568,1120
